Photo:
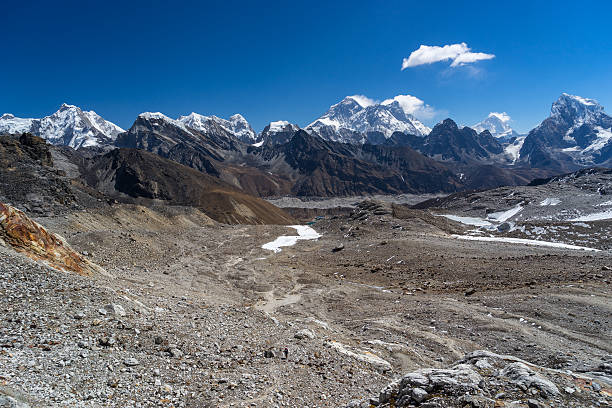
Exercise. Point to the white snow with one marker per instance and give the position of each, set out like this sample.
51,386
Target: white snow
478,222
503,216
604,204
391,115
362,355
603,138
304,233
584,101
164,118
498,123
258,144
550,201
525,242
513,150
278,126
604,215
11,124
68,126
237,125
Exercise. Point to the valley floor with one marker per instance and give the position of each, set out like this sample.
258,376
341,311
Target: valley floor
194,313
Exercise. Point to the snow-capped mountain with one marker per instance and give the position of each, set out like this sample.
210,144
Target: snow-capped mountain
69,126
355,114
236,125
277,132
498,124
577,133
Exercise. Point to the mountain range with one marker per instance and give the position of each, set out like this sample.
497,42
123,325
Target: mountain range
69,126
357,147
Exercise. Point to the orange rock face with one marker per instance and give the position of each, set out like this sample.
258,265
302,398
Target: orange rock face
24,235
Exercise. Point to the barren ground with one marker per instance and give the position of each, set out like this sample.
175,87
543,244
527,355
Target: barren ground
402,294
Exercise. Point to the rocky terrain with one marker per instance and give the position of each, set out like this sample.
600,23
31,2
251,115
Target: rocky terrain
574,209
190,312
130,280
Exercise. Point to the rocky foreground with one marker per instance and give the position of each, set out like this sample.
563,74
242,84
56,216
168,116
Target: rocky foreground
386,308
485,379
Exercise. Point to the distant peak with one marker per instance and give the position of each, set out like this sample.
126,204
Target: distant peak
154,115
67,106
576,107
578,99
502,116
447,122
7,116
362,100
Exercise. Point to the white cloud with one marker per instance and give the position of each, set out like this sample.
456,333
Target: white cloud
503,116
469,57
460,54
363,100
412,106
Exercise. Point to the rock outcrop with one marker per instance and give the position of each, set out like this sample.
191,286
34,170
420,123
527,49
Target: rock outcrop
24,235
485,379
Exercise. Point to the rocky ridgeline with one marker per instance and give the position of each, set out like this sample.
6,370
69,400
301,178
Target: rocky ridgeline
483,379
30,238
368,208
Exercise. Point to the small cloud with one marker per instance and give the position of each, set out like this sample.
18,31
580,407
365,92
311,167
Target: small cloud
503,116
460,54
413,106
363,100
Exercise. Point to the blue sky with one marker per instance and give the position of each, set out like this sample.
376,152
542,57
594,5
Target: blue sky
291,60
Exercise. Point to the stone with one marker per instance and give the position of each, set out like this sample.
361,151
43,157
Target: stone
115,309
131,362
338,248
175,352
304,334
415,379
470,292
531,403
524,376
10,402
419,394
269,354
390,391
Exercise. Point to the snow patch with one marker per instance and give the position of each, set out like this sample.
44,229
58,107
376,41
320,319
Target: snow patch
304,233
475,221
603,138
604,215
525,242
550,201
362,355
503,216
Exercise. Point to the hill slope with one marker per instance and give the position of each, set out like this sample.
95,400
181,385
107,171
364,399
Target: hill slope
130,174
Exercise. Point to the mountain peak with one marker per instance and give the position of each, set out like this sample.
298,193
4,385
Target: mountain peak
501,116
447,123
69,126
358,114
361,100
237,125
498,124
573,107
66,106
